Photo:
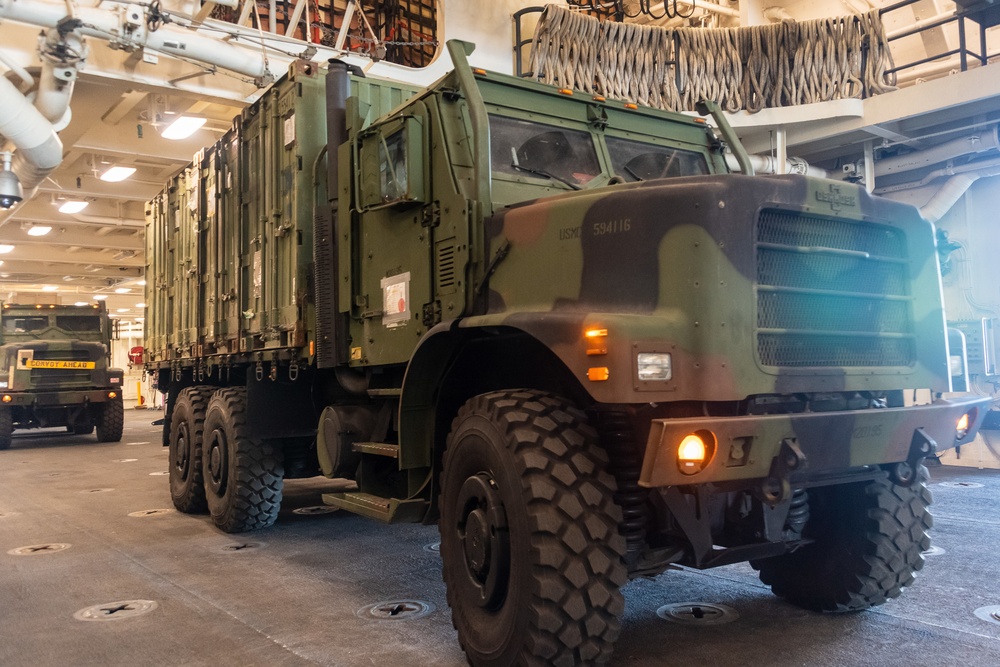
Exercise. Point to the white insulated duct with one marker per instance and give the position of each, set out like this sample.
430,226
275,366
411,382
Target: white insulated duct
62,56
39,149
952,191
125,28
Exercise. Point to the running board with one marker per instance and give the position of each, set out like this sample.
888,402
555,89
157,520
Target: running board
389,510
377,448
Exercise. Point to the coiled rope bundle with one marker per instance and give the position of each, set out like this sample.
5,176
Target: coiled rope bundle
781,64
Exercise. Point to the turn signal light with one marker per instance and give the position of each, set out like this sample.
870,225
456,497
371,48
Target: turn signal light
7,398
596,344
600,374
112,394
695,452
962,428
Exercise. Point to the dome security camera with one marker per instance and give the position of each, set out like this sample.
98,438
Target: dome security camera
10,189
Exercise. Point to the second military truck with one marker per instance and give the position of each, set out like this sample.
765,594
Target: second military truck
554,324
57,371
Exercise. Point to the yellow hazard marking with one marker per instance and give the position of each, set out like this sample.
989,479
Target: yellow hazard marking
53,363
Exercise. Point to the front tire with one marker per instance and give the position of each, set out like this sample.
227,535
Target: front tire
869,544
532,556
111,421
187,486
243,477
6,427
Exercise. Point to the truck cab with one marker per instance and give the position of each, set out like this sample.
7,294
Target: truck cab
56,371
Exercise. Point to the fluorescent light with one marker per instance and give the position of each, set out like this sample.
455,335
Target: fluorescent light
4,249
100,297
81,303
141,282
122,310
49,288
183,127
38,230
123,290
73,206
115,174
140,305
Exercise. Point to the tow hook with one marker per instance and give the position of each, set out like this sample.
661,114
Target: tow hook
777,488
904,473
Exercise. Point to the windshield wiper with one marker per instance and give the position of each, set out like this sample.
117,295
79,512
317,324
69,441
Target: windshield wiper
545,174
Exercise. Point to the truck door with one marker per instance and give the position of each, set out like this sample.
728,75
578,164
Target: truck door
392,239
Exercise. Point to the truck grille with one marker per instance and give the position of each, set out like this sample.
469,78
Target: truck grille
831,292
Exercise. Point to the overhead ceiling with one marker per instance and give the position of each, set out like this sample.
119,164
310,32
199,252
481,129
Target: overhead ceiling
122,100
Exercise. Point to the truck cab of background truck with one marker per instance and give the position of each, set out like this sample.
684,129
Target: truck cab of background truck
56,371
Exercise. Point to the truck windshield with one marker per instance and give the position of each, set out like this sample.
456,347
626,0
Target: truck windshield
637,161
79,323
547,151
28,324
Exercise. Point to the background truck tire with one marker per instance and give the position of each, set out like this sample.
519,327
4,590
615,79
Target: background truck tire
6,427
870,537
187,486
111,421
243,477
531,552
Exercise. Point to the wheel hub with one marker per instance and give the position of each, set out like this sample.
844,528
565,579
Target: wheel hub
182,452
217,454
482,532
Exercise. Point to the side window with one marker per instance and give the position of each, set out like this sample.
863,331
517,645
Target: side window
637,161
391,157
392,167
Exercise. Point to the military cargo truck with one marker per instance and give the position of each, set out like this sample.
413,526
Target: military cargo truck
556,325
57,371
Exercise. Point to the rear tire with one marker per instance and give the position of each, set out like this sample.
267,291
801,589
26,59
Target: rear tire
187,487
532,556
111,421
869,544
6,427
243,477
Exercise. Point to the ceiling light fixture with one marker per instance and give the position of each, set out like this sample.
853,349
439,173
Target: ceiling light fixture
38,230
49,288
116,174
4,248
73,206
122,290
81,303
183,127
100,297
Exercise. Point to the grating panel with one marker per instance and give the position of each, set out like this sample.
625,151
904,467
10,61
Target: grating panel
817,276
812,350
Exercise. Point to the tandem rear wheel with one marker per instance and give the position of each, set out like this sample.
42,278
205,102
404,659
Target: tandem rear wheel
187,485
532,556
243,477
111,420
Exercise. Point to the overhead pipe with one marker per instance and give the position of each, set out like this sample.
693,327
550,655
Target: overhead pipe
63,54
126,29
767,164
975,143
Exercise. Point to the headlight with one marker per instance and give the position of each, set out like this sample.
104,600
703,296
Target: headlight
654,366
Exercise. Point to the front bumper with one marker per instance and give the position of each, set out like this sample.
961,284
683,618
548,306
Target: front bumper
58,398
748,447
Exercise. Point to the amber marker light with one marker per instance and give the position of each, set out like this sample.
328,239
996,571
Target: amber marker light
694,452
629,105
596,340
480,72
598,374
565,91
7,398
599,98
112,394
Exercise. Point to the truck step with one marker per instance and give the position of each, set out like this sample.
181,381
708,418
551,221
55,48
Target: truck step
389,510
377,448
389,391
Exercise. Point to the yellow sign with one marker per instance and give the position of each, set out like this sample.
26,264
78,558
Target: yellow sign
53,363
